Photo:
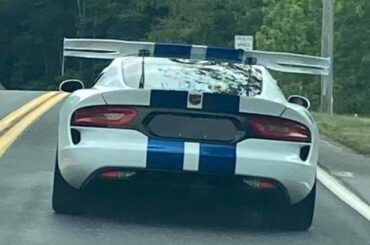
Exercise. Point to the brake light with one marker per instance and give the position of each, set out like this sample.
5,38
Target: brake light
104,116
279,129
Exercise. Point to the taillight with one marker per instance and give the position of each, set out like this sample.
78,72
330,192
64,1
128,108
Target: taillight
104,116
279,129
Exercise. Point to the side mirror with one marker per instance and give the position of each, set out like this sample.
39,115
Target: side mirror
299,100
70,86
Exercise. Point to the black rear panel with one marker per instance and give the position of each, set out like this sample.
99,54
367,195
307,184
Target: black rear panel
194,127
190,125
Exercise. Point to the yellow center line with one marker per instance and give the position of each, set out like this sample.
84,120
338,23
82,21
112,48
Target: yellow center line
14,132
7,121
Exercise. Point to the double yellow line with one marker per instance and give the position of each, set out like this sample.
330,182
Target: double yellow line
14,124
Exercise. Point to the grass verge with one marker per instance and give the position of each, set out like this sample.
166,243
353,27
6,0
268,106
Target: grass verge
353,132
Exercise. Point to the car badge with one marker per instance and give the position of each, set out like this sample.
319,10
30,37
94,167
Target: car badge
195,99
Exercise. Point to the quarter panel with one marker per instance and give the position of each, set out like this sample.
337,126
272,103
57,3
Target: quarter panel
102,148
277,160
128,97
80,98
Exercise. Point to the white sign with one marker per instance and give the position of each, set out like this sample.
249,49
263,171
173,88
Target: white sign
244,42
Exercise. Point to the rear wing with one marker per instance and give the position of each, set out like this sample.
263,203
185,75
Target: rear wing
111,49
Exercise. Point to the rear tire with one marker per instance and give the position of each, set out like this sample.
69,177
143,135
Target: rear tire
66,199
297,217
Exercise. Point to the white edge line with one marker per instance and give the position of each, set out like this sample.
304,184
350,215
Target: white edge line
343,193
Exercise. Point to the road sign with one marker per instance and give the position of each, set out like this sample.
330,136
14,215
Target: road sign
244,42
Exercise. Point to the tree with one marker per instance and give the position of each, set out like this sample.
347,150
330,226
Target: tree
293,26
352,57
31,35
210,22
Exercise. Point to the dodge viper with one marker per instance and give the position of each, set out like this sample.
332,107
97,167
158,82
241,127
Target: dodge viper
198,112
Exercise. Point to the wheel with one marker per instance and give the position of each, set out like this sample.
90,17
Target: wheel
66,199
297,217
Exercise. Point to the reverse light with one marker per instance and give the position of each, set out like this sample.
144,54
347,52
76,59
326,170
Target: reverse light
261,184
279,129
113,174
104,116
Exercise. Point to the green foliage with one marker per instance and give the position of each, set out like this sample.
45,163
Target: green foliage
348,130
293,26
211,22
30,41
31,34
352,57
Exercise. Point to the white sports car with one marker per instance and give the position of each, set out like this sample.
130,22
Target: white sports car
188,110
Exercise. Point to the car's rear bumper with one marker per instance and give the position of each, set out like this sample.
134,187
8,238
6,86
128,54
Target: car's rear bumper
276,160
182,186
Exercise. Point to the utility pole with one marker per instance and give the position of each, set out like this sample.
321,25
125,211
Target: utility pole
79,10
327,47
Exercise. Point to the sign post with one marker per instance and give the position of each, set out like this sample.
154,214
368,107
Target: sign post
243,42
327,51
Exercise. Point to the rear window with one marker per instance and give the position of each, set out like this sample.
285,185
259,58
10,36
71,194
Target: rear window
201,76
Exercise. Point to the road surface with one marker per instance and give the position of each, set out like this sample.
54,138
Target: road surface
26,216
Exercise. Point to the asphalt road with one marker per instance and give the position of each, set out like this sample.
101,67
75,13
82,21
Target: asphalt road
26,216
12,100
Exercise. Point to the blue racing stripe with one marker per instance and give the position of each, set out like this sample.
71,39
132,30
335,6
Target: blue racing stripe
165,155
221,103
217,159
215,53
172,50
169,99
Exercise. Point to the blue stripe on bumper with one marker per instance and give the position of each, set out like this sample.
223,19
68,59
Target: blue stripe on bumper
165,155
217,159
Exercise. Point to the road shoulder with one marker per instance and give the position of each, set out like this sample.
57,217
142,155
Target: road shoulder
351,168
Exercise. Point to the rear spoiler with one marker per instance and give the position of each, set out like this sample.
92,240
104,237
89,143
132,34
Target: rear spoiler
111,49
